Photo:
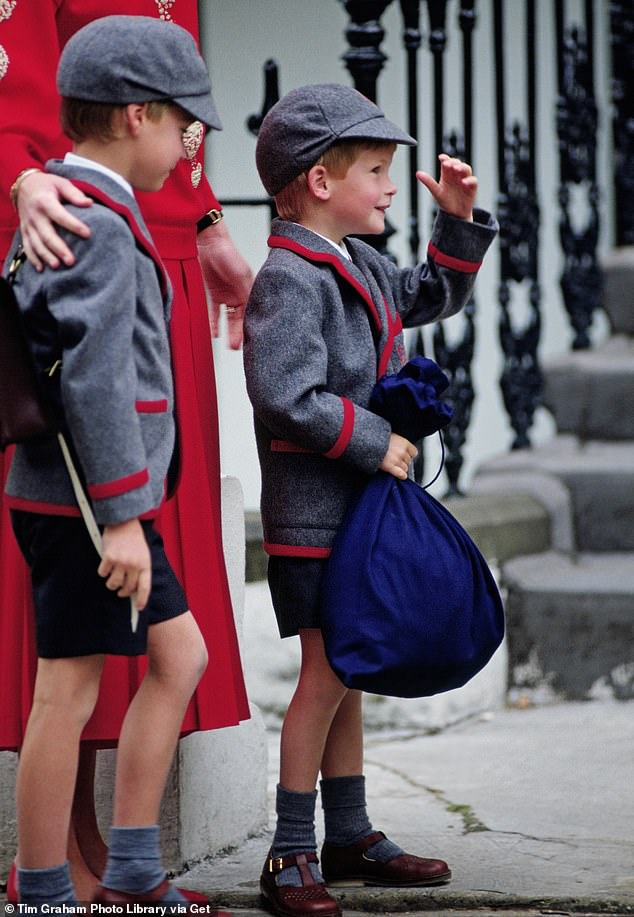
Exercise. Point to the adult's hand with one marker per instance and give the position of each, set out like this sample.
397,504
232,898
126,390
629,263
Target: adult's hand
40,208
228,279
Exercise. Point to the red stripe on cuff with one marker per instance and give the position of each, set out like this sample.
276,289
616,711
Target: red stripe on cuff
292,550
456,264
118,487
347,427
151,407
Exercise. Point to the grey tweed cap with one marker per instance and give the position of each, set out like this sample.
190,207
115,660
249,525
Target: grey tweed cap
126,59
309,120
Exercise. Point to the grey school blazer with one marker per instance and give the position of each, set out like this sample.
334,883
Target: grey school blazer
107,318
319,331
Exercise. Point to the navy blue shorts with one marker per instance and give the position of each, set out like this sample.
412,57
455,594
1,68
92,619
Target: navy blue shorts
295,586
75,613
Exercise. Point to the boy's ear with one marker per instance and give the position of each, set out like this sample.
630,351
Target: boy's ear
318,181
134,116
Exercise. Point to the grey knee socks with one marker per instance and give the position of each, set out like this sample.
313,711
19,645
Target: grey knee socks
134,863
294,832
46,886
346,819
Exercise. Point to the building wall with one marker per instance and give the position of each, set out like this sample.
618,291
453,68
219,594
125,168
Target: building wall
306,38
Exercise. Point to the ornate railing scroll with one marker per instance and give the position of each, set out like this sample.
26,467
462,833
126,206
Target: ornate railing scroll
412,40
456,360
622,41
577,122
518,214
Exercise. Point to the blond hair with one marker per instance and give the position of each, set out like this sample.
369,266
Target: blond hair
291,200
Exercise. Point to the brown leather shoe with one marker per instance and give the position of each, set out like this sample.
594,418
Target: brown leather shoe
351,866
308,900
105,895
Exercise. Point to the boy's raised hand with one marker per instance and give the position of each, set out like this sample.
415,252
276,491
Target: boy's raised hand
456,190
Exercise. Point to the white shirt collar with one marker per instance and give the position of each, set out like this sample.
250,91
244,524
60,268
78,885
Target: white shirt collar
340,248
72,159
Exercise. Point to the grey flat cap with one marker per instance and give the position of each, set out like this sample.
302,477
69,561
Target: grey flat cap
307,121
125,59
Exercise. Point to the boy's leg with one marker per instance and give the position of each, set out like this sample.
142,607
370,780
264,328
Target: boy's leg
64,697
313,708
343,784
291,881
176,660
353,852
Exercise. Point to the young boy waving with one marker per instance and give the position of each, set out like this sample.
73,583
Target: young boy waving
132,89
323,323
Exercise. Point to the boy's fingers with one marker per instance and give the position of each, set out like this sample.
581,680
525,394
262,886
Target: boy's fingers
144,584
128,585
428,181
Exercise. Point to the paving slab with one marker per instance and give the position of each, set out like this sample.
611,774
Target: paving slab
531,807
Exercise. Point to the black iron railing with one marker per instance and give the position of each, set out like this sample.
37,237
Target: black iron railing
426,26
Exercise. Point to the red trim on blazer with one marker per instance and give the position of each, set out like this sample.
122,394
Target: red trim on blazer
347,427
456,264
345,435
118,487
292,550
333,261
123,211
41,507
395,327
58,509
152,407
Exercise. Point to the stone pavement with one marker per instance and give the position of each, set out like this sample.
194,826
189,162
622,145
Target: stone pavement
532,805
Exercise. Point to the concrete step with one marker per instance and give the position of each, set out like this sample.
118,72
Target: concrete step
599,477
618,288
570,625
590,392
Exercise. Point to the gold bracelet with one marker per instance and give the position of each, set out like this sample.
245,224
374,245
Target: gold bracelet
15,187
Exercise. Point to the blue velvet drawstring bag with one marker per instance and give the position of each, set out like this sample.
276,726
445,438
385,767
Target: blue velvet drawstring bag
409,605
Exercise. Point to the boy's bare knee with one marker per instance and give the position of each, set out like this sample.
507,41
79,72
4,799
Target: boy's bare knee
67,689
177,650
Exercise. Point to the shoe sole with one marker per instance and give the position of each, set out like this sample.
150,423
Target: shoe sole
352,881
279,912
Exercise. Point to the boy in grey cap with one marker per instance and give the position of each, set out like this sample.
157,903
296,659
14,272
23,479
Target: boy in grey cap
133,90
324,321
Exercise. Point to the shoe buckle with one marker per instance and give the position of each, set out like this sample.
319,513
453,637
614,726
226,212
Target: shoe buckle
276,864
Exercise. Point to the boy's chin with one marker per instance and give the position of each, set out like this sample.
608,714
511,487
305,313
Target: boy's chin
152,186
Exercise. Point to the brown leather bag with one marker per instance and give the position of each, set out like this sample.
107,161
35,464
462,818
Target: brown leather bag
24,411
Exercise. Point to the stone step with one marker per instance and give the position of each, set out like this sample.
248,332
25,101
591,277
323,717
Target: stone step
570,625
589,392
599,478
618,288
